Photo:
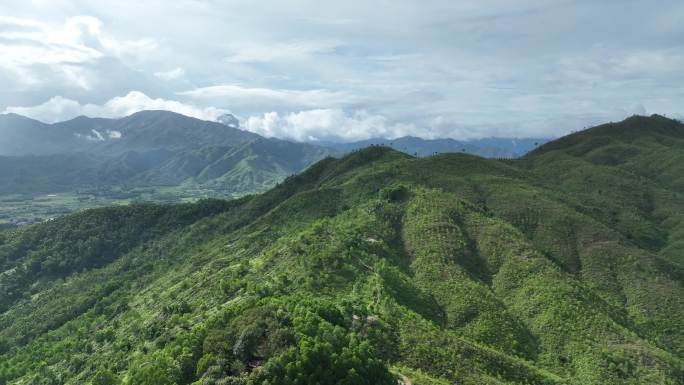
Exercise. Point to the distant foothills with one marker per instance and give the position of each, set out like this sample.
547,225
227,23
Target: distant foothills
50,169
485,147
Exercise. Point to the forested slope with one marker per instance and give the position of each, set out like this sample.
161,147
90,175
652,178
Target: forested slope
564,267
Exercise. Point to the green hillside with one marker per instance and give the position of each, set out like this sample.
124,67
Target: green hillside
152,156
563,267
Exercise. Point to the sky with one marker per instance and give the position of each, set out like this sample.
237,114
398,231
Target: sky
348,70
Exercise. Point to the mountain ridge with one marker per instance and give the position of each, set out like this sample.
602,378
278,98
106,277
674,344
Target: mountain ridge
493,147
367,269
149,155
159,156
620,130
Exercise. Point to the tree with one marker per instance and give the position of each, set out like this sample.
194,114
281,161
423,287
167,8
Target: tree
336,359
150,374
160,370
105,377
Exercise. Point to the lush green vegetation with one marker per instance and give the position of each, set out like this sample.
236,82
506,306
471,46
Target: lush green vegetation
154,156
485,147
564,267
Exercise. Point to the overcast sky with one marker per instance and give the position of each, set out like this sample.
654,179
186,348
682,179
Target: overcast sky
348,69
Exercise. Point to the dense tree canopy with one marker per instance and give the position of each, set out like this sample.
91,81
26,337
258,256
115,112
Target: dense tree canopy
564,267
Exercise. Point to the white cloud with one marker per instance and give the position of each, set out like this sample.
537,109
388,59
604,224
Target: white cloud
170,75
58,109
41,52
325,124
263,53
249,98
96,136
31,42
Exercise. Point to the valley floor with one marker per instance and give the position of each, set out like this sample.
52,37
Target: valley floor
23,209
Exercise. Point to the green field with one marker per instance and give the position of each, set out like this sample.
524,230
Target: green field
21,209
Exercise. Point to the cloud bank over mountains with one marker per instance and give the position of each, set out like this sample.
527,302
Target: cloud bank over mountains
326,125
317,125
59,108
308,125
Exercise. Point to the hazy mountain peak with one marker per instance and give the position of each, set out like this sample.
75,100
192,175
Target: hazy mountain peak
155,114
229,120
11,117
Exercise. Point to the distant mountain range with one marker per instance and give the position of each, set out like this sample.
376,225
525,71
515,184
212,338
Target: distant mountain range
142,131
168,157
148,148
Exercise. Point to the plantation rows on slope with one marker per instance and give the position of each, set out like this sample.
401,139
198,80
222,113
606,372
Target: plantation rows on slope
564,267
